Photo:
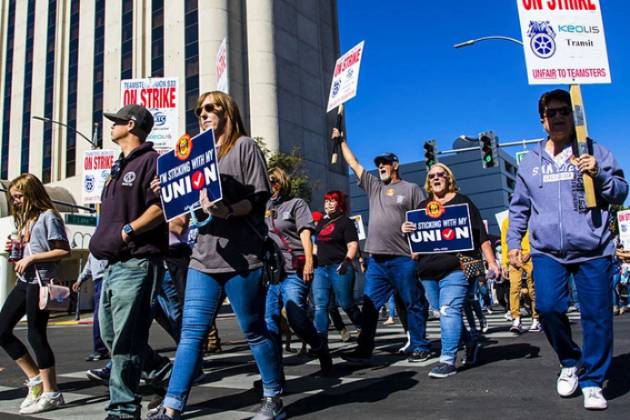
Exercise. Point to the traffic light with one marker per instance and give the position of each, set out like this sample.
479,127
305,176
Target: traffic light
430,153
488,148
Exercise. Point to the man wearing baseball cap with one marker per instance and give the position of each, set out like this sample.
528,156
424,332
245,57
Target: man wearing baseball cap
390,266
131,236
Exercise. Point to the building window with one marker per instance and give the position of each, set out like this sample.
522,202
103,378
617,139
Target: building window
48,91
126,46
6,116
99,51
191,41
28,85
157,38
73,75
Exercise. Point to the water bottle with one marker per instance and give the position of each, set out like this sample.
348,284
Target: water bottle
16,248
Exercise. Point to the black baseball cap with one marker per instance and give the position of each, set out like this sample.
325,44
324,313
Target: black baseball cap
137,113
385,158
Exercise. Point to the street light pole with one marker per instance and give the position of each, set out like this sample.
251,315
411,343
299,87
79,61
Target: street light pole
487,38
93,142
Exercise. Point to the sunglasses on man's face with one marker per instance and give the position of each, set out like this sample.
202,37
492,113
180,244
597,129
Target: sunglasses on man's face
209,108
436,175
552,112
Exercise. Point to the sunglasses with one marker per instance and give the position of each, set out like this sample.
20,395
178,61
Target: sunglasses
273,180
552,112
436,175
209,108
117,168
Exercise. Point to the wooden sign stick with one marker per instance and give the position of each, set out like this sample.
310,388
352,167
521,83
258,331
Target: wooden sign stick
337,145
581,134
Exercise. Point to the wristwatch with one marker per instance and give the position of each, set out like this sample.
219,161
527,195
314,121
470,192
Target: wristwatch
128,230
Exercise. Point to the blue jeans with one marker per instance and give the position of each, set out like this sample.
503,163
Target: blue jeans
168,307
432,292
593,281
290,293
384,274
391,306
125,318
97,341
203,299
327,280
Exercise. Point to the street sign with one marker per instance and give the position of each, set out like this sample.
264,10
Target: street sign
222,68
440,229
520,155
80,219
345,77
161,97
564,42
96,166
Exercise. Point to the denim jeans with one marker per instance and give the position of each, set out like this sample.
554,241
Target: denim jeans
472,307
290,293
384,274
327,280
391,306
432,292
204,294
99,346
125,318
168,307
593,281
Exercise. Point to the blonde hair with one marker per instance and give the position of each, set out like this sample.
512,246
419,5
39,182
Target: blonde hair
36,201
283,180
452,185
234,127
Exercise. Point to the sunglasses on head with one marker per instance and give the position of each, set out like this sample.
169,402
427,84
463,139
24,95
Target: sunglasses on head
436,175
552,112
209,108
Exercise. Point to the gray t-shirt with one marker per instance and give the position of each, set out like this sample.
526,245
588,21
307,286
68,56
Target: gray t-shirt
289,217
230,245
388,205
48,227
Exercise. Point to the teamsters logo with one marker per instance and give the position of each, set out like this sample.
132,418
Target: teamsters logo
542,40
183,147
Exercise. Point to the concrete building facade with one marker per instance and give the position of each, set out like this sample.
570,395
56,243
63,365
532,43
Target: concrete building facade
65,59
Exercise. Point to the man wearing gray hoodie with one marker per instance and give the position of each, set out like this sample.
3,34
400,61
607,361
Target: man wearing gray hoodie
568,239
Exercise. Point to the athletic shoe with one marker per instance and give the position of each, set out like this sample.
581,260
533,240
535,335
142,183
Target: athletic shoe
35,389
99,376
419,356
345,335
271,408
45,402
471,354
484,325
389,321
443,370
405,348
593,398
161,375
567,381
489,310
535,327
357,357
508,316
516,327
96,356
161,415
615,310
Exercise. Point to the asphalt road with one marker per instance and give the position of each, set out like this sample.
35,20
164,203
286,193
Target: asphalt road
515,379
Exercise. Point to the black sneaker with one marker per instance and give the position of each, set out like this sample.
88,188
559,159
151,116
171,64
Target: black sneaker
271,408
357,357
443,370
159,376
471,354
325,360
161,415
419,356
99,376
96,356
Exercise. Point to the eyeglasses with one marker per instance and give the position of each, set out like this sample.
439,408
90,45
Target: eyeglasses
209,108
436,175
552,112
117,167
273,180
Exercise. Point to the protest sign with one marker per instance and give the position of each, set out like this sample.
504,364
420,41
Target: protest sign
358,223
185,171
563,41
222,68
96,167
623,220
440,229
161,97
501,216
345,77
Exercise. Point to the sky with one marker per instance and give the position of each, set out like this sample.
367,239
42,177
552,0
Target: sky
414,86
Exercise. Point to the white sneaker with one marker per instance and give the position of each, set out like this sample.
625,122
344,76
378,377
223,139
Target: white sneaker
404,348
35,389
567,381
44,403
535,327
593,398
508,316
516,327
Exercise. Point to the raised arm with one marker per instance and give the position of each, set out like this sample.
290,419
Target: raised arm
351,160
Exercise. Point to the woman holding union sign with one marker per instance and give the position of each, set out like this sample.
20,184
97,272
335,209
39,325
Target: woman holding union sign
451,272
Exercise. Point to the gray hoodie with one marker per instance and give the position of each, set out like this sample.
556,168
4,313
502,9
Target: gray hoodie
550,199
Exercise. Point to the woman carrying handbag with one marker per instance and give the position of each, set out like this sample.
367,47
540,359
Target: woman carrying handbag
40,241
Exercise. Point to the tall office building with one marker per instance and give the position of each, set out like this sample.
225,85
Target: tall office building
65,59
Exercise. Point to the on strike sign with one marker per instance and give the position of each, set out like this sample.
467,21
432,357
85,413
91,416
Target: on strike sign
222,68
345,77
440,229
96,167
564,41
161,97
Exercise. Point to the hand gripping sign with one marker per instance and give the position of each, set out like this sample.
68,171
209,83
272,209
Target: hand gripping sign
440,229
184,172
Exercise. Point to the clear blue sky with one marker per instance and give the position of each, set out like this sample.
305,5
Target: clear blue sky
415,86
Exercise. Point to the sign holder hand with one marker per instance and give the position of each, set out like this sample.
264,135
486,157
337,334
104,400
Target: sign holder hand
581,134
337,145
